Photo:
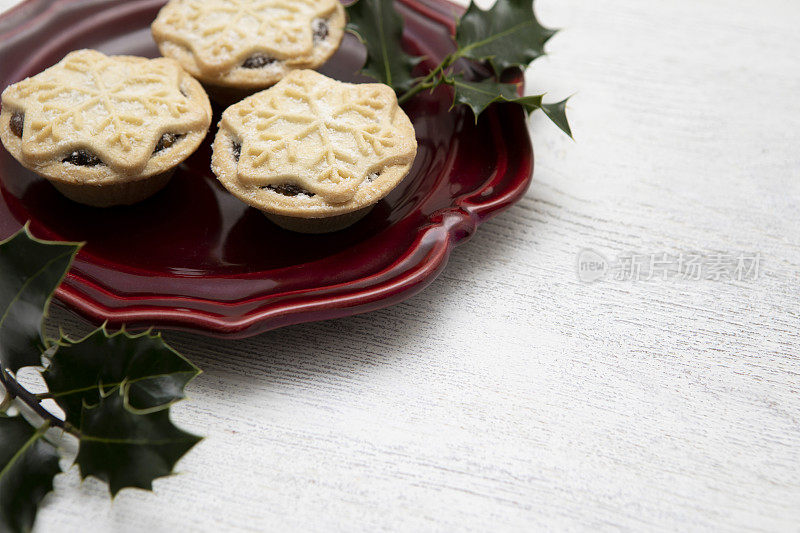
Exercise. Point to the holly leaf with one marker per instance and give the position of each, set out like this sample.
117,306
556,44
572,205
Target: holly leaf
479,95
507,35
379,27
558,114
126,449
154,374
28,464
30,271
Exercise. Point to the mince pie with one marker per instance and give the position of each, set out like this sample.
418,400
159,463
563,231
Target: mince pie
238,47
105,130
314,154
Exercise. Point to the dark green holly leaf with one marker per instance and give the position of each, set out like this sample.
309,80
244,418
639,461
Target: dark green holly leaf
478,95
155,375
507,35
30,271
126,449
380,28
28,464
558,114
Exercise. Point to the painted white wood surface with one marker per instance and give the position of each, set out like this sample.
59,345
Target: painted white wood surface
509,395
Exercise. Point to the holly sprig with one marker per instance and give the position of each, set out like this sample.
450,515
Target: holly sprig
115,390
506,36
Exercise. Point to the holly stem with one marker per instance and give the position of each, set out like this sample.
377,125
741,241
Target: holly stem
415,90
430,81
15,390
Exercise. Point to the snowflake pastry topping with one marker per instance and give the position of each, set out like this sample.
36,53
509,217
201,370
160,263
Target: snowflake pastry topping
223,33
117,107
325,136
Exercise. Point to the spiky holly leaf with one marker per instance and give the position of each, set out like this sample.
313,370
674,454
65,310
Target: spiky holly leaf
557,112
126,449
28,464
507,35
478,95
30,271
380,28
155,374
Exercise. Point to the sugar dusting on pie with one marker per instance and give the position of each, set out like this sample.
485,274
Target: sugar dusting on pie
319,135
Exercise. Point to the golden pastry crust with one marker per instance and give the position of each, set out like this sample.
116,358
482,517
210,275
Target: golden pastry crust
340,147
115,108
212,39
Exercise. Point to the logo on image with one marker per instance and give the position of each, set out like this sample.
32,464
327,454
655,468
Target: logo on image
592,266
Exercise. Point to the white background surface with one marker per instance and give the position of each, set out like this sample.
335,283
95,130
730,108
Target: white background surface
509,395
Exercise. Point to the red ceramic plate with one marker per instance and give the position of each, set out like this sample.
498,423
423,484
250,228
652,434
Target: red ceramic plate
195,258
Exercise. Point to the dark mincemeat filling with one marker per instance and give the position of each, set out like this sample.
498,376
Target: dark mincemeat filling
167,141
17,124
288,190
258,61
82,158
320,29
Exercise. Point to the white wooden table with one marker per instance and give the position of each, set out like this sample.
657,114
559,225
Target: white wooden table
510,395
